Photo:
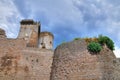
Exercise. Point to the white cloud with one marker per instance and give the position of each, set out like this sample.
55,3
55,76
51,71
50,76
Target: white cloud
57,12
9,18
117,52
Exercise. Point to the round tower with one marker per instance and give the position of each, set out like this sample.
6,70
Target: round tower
46,40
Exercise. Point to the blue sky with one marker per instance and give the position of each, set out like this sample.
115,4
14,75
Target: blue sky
66,19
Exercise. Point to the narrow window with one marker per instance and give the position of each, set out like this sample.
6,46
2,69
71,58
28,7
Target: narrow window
36,60
26,58
50,42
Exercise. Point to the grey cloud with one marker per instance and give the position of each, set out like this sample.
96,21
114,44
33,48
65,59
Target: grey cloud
9,18
23,7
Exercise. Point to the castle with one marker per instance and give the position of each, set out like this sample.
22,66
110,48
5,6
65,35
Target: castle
31,57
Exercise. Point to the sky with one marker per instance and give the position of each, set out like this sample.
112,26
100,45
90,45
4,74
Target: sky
66,19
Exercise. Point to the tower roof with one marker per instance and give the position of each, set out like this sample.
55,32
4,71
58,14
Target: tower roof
27,21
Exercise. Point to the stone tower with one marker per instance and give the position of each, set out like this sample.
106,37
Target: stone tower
30,32
46,40
2,34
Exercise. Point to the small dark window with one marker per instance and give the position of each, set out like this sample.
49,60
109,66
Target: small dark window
43,47
26,58
36,60
41,43
50,42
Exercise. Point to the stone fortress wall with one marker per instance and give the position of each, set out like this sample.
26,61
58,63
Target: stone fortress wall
116,73
31,57
22,58
72,61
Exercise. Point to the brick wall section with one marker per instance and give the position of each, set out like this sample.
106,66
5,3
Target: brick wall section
40,62
11,60
18,62
33,41
72,61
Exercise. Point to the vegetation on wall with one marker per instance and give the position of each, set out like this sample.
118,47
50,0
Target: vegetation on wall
94,47
88,40
104,40
77,38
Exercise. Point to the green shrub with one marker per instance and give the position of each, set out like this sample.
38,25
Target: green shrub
110,44
77,38
94,47
106,40
103,39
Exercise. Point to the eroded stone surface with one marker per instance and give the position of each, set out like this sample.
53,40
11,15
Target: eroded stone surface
18,62
72,61
21,58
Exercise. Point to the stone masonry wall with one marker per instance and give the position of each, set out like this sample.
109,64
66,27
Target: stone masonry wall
46,40
40,62
72,61
29,32
18,62
11,60
116,72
